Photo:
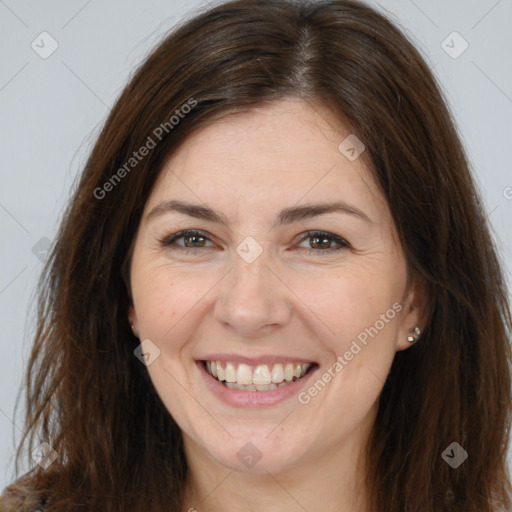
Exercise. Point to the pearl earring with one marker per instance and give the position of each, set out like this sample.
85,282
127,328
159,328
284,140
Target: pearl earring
415,335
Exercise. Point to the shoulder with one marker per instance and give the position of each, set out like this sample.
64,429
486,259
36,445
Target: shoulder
20,498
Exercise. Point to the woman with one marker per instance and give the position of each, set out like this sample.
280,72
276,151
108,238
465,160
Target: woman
274,288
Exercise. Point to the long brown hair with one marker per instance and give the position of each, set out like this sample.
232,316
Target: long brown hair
91,399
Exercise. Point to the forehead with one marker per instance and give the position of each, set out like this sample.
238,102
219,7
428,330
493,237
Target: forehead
284,152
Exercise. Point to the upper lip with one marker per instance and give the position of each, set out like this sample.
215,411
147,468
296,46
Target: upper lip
254,361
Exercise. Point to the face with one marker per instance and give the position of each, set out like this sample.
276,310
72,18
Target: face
239,265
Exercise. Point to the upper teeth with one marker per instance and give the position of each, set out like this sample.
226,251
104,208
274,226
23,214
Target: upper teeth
258,375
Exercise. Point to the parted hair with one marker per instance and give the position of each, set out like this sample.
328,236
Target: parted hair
88,397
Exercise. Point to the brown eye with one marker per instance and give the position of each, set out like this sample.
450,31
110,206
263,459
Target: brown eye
321,241
192,240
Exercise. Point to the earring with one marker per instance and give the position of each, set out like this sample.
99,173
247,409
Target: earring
415,335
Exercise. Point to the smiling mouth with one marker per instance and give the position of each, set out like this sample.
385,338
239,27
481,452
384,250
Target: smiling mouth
263,377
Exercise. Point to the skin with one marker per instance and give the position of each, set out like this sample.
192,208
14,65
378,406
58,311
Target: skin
290,300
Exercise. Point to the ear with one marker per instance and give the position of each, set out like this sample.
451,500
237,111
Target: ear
414,313
132,318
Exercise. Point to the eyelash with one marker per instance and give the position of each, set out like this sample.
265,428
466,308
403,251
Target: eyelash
169,240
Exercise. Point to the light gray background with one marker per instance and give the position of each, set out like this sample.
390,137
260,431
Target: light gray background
51,110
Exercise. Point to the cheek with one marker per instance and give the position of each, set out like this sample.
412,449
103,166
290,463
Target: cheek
161,296
156,305
359,309
169,303
164,302
359,328
351,300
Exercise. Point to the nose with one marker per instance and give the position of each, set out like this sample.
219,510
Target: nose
252,298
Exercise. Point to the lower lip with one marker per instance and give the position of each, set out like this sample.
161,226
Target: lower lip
239,398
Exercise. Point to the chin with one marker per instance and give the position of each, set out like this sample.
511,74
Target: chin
255,455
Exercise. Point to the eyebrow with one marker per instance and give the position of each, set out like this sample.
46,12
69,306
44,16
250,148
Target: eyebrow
285,216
